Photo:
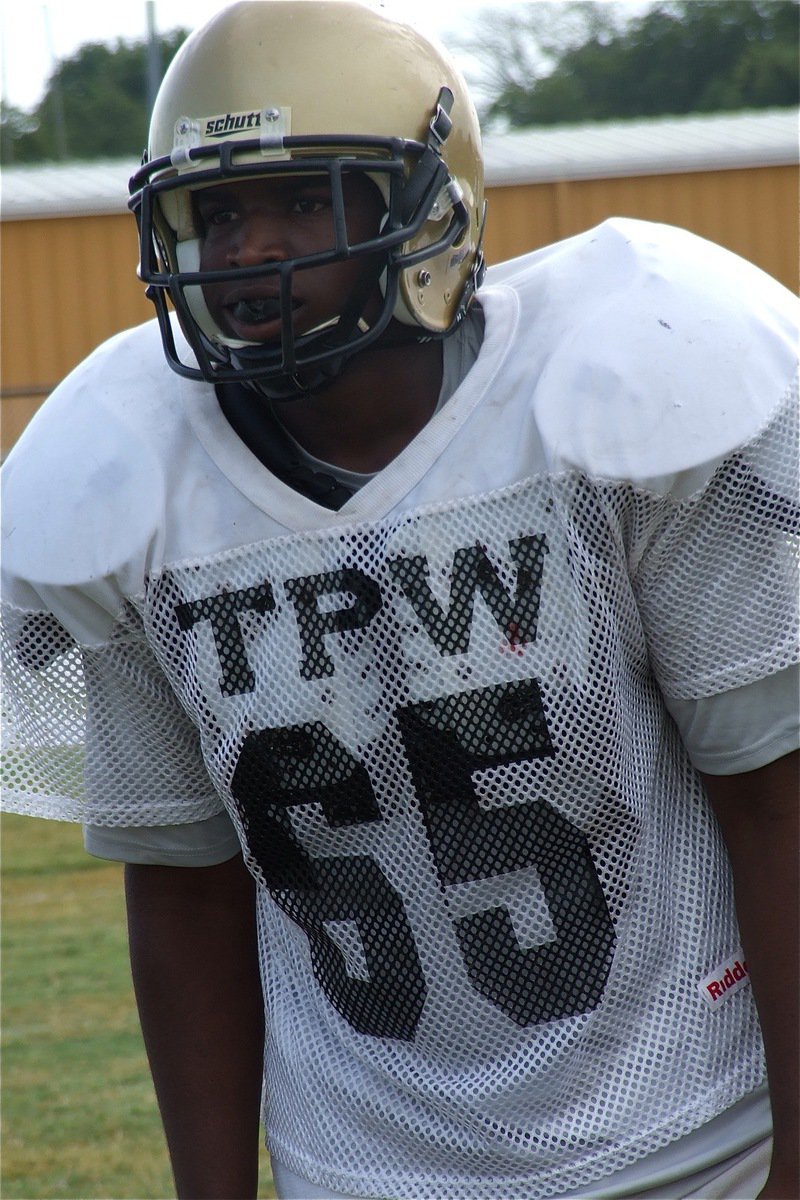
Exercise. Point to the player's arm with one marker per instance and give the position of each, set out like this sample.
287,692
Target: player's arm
195,969
758,815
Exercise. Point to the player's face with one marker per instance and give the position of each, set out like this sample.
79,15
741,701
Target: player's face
255,222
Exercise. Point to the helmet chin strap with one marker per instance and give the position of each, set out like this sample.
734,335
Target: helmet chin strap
306,380
293,387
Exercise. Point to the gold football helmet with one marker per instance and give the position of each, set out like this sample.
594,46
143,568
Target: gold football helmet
319,87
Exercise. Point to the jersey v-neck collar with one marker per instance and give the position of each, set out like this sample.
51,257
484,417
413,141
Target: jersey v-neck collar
378,497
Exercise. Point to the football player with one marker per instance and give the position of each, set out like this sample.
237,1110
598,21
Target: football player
432,644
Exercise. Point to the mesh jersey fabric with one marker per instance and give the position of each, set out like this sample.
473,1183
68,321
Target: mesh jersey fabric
761,721
738,730
491,884
682,1169
212,839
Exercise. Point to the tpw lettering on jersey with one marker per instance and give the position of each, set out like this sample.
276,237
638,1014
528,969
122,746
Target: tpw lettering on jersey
346,600
223,612
314,623
473,572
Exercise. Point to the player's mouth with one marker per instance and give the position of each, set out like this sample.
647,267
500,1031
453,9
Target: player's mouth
255,315
254,311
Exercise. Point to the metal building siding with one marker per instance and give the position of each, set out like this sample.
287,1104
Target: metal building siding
752,212
68,283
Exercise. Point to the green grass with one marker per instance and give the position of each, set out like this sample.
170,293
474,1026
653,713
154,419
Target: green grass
79,1114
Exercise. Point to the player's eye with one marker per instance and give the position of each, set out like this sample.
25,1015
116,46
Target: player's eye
219,216
306,204
212,213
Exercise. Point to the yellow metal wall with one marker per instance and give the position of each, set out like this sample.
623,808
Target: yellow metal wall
66,284
753,212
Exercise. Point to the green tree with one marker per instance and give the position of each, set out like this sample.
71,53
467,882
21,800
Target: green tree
95,106
587,61
15,124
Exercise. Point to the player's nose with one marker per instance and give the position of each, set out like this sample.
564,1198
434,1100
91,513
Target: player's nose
257,240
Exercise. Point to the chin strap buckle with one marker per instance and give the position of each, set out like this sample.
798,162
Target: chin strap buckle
431,166
451,194
441,123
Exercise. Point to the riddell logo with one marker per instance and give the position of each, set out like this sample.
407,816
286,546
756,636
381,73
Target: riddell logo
728,978
227,123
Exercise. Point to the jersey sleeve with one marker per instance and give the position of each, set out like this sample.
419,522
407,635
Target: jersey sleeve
742,729
715,576
195,844
95,734
668,378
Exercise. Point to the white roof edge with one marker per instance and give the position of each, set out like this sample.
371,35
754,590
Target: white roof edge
41,210
601,150
660,146
612,168
72,189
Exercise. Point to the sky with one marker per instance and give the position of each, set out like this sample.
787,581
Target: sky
34,35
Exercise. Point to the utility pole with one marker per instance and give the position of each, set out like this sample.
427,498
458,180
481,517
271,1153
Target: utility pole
153,55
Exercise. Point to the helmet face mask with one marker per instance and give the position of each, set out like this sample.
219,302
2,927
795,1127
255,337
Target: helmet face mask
425,259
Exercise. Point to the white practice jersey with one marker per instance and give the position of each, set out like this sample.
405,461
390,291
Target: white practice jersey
500,954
